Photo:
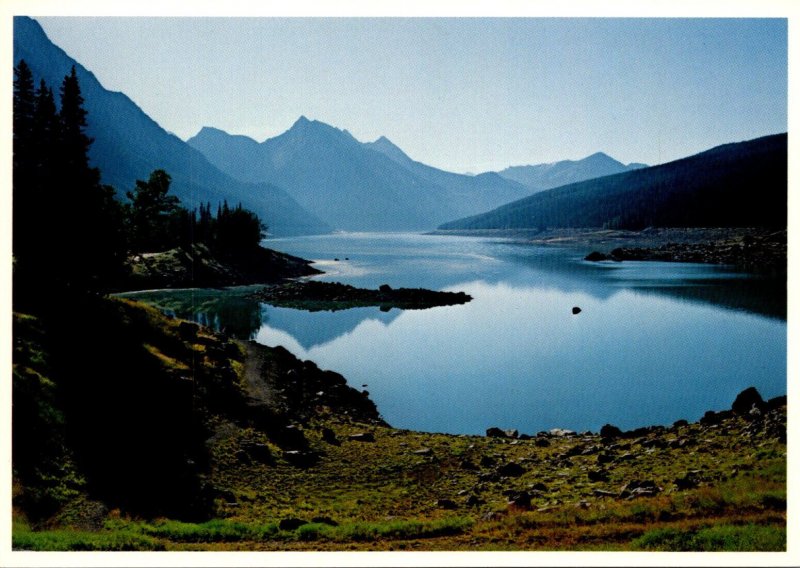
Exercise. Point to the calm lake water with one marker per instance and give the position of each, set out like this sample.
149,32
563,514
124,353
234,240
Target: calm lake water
654,341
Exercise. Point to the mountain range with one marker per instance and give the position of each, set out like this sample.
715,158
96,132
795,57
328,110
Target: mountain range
128,144
741,184
547,176
315,178
352,185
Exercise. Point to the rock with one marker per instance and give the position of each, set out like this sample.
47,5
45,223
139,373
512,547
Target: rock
446,504
687,481
299,458
424,452
604,458
467,464
680,423
325,521
777,402
474,501
603,493
362,437
514,434
596,256
291,524
188,330
520,500
598,475
542,443
329,436
511,469
524,436
561,432
610,431
710,417
384,288
636,488
746,400
495,432
259,452
576,310
290,437
488,461
538,486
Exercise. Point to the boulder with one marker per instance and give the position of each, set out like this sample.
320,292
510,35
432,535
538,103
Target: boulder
302,459
680,423
519,500
510,469
446,504
362,437
561,432
329,436
188,330
596,256
777,402
487,461
610,431
474,501
637,488
495,432
598,475
746,400
325,521
259,452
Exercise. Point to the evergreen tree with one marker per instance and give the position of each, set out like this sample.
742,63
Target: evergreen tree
154,216
23,156
67,226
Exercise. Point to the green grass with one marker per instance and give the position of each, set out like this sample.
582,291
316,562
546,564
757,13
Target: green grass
720,538
67,539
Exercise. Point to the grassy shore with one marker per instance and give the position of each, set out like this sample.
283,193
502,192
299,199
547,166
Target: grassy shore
294,459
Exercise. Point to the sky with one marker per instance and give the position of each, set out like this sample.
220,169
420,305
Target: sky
461,94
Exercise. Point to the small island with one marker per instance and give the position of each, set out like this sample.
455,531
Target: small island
313,295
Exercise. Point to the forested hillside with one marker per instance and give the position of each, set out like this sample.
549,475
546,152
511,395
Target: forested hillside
735,185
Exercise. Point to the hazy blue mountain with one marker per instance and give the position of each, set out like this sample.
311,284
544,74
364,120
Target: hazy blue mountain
476,192
353,185
129,144
742,184
556,174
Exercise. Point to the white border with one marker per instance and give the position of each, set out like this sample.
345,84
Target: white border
369,8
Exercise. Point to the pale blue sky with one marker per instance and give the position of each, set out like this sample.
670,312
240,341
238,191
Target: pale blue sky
460,94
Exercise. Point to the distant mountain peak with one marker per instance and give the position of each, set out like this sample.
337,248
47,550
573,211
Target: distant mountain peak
599,156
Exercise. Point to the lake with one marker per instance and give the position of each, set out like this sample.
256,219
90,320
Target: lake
654,342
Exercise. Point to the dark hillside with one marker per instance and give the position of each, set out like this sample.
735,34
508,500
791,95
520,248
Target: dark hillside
735,185
128,144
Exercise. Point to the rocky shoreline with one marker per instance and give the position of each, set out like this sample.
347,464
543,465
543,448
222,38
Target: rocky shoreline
314,295
751,252
199,267
751,249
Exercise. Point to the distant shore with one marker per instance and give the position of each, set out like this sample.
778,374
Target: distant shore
755,249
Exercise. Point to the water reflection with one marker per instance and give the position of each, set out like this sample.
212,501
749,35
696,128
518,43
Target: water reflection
654,341
231,311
